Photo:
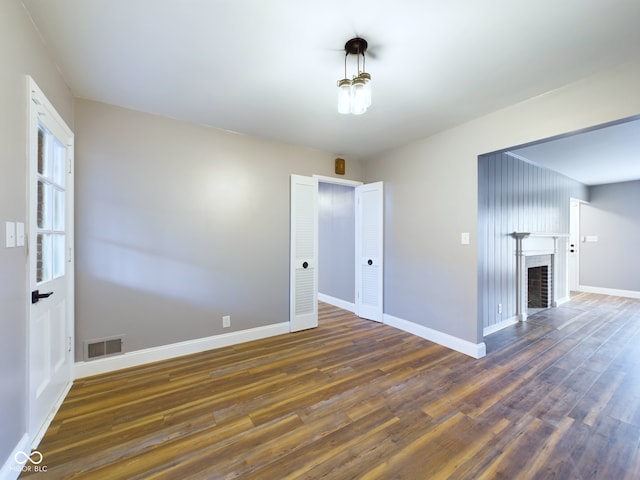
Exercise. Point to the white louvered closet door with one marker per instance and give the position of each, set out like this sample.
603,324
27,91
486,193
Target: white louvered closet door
303,311
369,251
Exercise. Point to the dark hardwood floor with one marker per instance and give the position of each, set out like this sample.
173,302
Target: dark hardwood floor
556,397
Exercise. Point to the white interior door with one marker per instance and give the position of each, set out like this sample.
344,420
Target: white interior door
573,255
50,243
303,310
369,251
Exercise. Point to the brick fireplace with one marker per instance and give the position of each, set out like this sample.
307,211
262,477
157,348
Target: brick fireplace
539,281
535,271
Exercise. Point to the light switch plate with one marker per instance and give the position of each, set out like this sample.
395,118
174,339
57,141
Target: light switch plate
20,234
464,238
10,238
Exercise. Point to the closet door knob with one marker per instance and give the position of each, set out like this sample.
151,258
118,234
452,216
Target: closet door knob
305,264
369,262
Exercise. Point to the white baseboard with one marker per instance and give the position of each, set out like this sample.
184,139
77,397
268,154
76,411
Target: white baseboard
454,343
562,300
165,352
45,426
609,291
337,302
12,469
499,326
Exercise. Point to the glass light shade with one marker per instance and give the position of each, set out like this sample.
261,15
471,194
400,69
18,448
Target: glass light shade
367,87
344,96
358,96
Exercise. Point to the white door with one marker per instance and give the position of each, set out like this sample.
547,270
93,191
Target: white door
303,309
50,261
369,251
574,245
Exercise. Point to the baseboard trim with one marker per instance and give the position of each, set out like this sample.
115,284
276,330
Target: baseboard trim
337,302
454,343
499,326
165,352
45,426
609,291
11,469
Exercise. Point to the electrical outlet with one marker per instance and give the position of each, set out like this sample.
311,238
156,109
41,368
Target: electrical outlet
499,308
226,321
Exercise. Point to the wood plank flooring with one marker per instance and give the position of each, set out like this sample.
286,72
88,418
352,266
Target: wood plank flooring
556,397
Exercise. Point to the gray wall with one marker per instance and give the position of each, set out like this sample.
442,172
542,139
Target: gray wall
336,241
178,225
516,196
431,196
613,215
21,53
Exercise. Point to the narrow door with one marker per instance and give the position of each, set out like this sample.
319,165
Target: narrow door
369,251
303,309
574,245
50,261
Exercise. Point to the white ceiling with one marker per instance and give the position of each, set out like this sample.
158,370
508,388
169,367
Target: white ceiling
269,68
606,155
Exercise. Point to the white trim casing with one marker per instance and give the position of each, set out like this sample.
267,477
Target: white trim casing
47,422
337,181
609,291
499,326
474,350
165,352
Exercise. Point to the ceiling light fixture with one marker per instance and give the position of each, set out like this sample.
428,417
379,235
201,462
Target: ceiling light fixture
354,95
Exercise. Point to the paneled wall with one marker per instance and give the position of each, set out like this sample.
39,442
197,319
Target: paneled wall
336,241
514,195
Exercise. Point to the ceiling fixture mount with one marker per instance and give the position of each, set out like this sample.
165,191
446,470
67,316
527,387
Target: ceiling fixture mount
354,94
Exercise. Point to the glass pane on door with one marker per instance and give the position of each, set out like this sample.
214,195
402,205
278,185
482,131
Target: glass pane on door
58,162
51,207
43,273
58,210
57,254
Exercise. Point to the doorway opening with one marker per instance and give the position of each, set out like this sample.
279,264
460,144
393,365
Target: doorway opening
368,247
337,244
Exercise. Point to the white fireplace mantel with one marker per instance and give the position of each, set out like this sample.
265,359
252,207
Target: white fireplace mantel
529,244
532,243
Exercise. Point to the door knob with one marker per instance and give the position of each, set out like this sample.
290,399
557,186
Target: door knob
369,262
305,265
36,296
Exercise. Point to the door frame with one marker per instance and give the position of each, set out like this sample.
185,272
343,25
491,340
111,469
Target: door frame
351,307
574,239
38,105
351,183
